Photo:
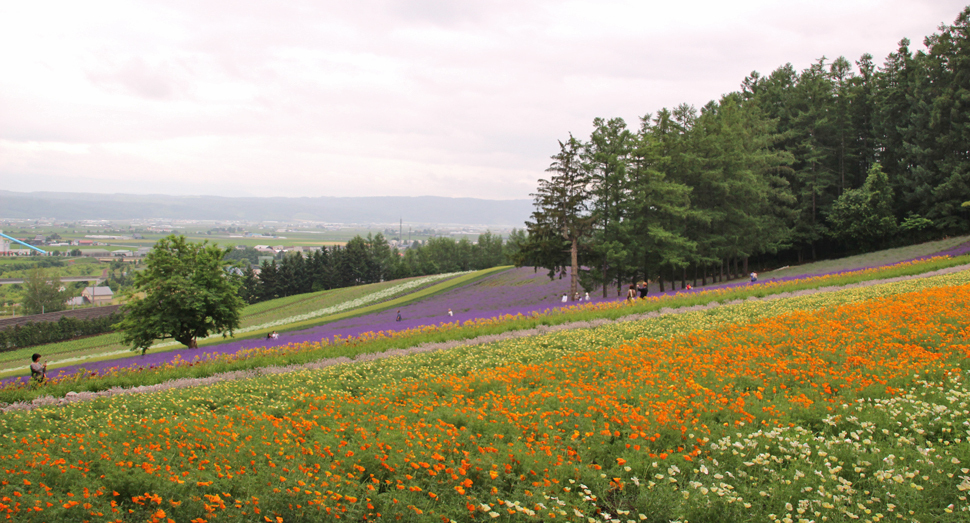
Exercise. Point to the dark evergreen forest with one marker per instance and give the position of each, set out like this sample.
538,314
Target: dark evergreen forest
369,260
837,159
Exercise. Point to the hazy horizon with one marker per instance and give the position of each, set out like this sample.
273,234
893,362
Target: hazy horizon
427,97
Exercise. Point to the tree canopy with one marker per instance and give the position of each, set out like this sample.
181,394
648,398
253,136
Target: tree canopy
833,160
42,292
185,292
562,220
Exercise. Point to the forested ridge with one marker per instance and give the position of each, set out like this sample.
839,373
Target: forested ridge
836,159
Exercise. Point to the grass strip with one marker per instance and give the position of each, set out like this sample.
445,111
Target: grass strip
296,354
111,344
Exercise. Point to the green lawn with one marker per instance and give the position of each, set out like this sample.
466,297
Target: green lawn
872,259
108,346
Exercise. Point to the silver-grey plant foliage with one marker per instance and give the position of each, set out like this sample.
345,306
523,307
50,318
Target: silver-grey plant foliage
73,397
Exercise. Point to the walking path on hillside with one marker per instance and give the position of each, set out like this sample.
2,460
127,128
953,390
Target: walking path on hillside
431,347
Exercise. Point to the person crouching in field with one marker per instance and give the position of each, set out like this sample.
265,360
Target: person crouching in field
38,370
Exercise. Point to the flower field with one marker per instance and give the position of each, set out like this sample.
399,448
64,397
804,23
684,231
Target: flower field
843,406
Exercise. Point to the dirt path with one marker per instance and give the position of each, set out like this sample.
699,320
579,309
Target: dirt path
73,397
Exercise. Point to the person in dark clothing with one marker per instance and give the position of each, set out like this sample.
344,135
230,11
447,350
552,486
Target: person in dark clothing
642,289
38,370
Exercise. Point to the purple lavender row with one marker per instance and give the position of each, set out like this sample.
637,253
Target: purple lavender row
516,291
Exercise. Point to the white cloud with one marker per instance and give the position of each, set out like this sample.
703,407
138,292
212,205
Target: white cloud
378,97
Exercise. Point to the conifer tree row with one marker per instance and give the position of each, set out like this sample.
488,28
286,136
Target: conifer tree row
371,260
836,159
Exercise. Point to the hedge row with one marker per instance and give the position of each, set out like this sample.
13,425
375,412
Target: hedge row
66,328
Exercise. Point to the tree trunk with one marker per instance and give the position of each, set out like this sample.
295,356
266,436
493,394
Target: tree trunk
605,284
574,276
683,278
745,266
660,281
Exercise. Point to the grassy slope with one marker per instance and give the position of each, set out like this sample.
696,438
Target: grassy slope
871,259
452,334
108,345
273,310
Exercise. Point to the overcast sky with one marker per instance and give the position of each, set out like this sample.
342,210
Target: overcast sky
379,98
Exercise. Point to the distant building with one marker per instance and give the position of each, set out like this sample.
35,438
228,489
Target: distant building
75,301
97,295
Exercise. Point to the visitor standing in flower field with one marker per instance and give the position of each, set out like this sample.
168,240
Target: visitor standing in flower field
38,370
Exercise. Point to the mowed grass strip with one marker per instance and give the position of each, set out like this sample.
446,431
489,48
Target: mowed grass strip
108,346
609,311
455,335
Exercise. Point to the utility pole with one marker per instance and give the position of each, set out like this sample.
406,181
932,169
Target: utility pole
400,231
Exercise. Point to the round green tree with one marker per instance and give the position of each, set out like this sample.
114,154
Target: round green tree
186,292
42,292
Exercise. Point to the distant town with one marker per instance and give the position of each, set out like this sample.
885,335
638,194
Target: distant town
134,239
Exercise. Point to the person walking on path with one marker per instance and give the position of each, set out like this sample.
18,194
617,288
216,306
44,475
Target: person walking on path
450,314
38,370
398,316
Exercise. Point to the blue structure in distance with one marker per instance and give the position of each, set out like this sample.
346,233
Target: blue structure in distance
22,243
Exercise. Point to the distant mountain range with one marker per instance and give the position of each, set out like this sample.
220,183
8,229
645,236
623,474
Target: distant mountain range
362,210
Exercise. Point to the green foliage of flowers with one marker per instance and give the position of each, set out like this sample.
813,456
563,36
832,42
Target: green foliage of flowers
661,327
441,435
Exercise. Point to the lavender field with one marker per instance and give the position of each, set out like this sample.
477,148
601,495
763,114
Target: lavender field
514,291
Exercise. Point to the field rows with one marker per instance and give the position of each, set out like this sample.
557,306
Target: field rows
841,406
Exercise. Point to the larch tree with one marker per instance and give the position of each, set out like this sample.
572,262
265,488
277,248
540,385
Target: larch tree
562,219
